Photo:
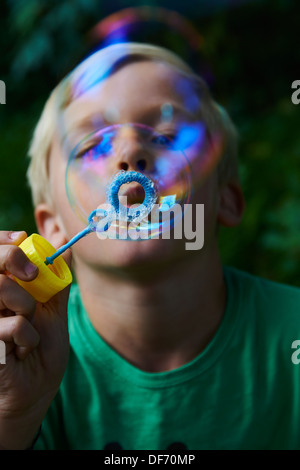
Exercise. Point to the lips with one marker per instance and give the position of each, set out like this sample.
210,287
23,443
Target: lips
131,193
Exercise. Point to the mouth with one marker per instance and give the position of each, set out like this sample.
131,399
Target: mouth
131,193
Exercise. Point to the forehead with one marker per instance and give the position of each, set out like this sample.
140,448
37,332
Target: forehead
135,92
153,80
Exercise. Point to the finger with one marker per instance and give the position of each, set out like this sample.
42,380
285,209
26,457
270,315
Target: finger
22,352
12,238
14,260
19,330
14,298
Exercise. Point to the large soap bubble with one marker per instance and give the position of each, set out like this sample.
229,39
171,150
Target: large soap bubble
172,163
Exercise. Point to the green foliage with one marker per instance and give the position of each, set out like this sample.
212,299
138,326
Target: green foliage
253,59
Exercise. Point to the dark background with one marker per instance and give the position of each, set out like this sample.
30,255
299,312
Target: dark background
250,56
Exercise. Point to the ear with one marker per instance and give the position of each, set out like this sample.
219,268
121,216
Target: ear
231,204
49,225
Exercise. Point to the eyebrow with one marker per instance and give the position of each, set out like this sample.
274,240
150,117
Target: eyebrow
155,112
86,124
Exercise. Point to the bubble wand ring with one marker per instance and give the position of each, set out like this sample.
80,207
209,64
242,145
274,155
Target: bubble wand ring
124,177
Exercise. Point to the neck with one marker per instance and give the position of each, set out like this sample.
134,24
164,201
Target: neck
161,323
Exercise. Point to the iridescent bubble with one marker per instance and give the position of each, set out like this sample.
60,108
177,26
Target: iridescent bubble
155,25
176,160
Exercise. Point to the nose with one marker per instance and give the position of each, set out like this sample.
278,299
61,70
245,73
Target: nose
130,152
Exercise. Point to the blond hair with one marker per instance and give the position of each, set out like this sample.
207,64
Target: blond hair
105,62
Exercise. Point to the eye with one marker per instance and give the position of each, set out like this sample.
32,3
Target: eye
162,139
94,150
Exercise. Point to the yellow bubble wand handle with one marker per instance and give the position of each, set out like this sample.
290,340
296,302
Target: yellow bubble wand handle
50,279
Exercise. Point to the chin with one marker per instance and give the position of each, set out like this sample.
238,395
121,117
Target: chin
137,255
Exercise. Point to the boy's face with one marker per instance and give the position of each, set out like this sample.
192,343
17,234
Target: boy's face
136,92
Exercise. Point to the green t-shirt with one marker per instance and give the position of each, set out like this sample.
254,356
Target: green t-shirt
241,392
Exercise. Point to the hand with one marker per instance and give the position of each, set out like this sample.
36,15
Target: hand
37,347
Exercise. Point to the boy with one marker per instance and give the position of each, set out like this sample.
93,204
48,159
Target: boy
168,349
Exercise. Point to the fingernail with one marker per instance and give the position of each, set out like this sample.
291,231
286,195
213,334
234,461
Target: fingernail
15,235
30,269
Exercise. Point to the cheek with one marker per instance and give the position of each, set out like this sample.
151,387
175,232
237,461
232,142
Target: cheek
85,183
71,223
57,169
208,194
